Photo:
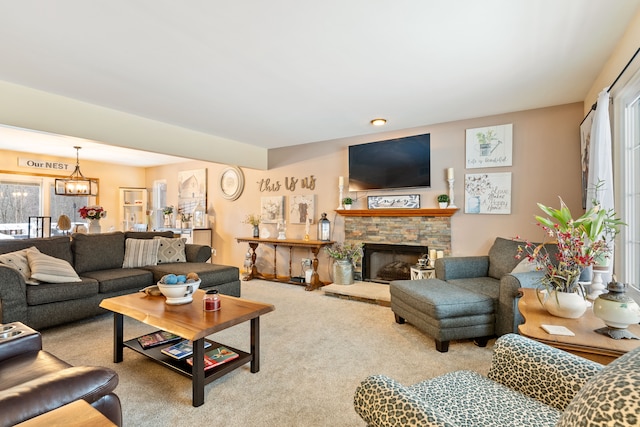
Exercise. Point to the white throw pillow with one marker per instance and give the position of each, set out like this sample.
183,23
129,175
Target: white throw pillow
140,253
18,260
525,266
171,250
50,269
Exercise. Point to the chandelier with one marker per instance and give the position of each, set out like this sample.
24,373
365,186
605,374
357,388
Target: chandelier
76,184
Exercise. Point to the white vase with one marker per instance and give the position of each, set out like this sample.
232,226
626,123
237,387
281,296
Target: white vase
443,205
565,304
94,226
342,272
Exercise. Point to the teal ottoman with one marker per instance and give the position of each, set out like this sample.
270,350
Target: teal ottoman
443,311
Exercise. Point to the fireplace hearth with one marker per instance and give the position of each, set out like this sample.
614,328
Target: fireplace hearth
382,263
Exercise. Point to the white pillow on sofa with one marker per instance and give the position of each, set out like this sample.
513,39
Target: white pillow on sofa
525,266
140,252
50,269
18,260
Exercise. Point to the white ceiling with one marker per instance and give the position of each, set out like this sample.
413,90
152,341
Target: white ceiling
286,72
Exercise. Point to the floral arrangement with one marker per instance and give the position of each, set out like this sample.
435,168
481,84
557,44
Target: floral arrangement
92,212
167,210
252,219
347,251
581,242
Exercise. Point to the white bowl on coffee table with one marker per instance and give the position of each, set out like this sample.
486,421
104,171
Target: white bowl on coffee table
179,293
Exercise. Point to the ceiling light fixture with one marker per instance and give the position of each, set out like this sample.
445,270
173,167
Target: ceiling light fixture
76,184
379,122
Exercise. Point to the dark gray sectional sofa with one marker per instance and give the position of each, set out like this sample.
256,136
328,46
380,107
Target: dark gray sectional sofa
98,260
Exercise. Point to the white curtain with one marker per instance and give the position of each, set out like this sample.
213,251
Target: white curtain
601,160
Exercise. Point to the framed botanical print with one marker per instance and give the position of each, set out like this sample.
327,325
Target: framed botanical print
301,207
272,209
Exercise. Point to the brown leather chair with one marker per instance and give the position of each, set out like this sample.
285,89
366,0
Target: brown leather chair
33,381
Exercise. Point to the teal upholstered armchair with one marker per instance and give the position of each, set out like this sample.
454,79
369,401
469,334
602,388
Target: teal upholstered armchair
528,384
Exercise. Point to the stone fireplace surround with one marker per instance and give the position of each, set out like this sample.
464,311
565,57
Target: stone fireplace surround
430,228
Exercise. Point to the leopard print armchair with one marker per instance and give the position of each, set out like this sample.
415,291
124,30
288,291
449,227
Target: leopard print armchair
528,384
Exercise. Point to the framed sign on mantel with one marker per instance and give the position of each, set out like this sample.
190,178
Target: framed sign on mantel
410,201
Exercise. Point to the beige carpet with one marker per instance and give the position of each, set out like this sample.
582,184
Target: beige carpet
315,351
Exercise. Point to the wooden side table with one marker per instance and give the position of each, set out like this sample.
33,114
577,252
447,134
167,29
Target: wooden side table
422,273
586,343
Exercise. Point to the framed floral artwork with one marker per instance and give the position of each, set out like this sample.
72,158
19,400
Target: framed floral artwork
487,193
301,207
272,209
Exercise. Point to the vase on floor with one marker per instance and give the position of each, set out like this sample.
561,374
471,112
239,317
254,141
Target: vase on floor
94,226
569,305
342,272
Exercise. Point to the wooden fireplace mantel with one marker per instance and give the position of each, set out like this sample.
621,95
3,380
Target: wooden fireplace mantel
436,212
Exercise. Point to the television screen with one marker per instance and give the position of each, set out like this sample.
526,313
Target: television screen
394,163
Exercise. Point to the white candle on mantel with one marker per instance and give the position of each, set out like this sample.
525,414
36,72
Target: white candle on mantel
440,254
432,254
307,226
341,181
450,173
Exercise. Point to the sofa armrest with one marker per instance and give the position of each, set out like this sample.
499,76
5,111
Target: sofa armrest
540,371
382,401
508,317
48,392
197,253
466,267
13,295
30,341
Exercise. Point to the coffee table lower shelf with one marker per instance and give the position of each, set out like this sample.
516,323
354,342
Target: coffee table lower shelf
183,368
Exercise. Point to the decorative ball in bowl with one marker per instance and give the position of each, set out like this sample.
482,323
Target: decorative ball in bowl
179,289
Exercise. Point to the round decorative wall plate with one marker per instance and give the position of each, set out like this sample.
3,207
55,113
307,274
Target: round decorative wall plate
231,183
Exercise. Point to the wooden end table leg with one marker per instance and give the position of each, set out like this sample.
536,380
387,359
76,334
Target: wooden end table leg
255,345
254,270
197,372
315,277
118,345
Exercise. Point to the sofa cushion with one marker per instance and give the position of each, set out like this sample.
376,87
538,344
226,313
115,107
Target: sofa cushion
121,279
46,268
98,251
610,398
171,250
502,257
140,252
59,246
46,293
18,260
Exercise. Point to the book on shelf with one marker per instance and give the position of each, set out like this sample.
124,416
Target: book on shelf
216,357
157,338
182,349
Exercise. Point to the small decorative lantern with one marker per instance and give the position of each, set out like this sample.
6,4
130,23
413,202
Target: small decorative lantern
324,228
617,310
199,217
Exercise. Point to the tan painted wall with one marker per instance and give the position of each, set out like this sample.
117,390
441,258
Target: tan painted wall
111,178
546,164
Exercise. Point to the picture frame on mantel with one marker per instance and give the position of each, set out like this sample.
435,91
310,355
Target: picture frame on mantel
407,201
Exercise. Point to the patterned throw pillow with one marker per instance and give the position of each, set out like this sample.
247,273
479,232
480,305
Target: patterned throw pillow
18,260
171,250
50,269
140,253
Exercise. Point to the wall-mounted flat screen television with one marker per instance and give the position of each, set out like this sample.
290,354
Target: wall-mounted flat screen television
394,163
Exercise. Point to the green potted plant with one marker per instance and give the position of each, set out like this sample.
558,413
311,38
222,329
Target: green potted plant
347,202
345,257
443,201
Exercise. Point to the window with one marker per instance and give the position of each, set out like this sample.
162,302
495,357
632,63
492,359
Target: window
23,196
627,167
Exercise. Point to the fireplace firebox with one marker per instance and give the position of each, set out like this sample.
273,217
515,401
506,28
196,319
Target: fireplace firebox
382,263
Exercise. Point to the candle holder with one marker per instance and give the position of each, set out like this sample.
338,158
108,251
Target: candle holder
340,187
451,201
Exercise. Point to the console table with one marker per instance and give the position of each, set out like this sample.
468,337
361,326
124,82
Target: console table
586,343
314,245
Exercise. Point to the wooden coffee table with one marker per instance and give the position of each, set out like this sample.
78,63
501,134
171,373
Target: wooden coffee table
191,322
586,343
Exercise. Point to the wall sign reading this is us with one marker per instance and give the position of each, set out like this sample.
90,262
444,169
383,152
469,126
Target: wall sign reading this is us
290,183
